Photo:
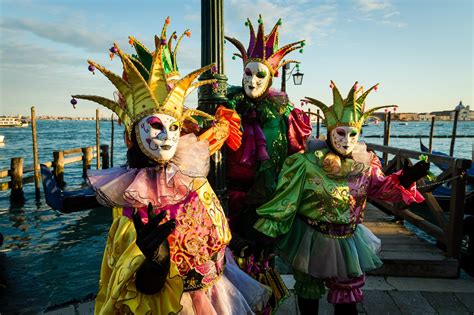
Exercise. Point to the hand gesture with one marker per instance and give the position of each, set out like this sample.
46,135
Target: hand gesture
413,173
152,237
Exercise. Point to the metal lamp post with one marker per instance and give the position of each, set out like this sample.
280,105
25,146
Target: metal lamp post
210,97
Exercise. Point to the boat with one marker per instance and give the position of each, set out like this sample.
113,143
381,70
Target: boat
12,122
403,124
2,139
62,200
444,167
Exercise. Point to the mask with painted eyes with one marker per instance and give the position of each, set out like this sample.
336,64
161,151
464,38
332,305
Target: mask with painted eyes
158,136
344,139
256,79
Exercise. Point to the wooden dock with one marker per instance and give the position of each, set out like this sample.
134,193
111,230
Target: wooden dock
404,254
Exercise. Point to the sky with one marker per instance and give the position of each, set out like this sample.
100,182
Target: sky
420,51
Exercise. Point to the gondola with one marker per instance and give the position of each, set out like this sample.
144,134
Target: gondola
66,201
444,167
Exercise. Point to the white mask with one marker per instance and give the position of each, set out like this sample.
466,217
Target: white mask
256,79
158,136
344,139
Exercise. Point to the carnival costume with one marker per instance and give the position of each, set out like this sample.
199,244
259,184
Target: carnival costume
166,248
272,127
318,206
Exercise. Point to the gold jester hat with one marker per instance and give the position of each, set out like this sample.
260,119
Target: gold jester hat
150,83
349,111
264,48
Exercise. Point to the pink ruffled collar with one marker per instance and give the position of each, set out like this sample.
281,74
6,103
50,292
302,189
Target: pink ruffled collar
162,185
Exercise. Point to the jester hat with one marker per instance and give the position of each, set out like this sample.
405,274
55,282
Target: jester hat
346,112
150,83
264,48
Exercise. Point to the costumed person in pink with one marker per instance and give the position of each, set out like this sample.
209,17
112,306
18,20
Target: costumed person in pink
166,248
318,207
272,130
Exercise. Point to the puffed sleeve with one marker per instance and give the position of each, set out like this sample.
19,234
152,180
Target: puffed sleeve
388,188
278,214
299,129
226,129
117,291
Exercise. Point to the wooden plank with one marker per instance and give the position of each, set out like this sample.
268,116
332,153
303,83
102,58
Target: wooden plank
412,256
445,302
5,186
72,159
4,173
436,210
379,302
392,230
420,247
72,151
411,302
397,239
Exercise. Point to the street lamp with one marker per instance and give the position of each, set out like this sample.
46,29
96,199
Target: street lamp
297,77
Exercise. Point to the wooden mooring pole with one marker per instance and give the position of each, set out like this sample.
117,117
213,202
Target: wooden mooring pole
453,135
112,141
431,133
17,196
35,154
97,138
58,165
86,160
104,152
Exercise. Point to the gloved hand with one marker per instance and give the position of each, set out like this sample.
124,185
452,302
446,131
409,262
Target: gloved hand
153,243
152,237
413,173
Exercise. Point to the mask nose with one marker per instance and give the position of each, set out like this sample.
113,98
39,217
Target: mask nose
254,81
163,135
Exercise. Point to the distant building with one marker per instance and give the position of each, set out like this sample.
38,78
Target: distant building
425,116
464,113
407,116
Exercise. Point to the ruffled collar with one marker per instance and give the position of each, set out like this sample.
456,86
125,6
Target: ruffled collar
343,168
161,185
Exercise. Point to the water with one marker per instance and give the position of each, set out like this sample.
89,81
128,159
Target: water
49,258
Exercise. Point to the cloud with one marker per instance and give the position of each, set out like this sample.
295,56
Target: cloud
301,19
379,11
21,55
70,33
372,5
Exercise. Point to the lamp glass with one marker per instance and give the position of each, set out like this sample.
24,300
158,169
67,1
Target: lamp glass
298,78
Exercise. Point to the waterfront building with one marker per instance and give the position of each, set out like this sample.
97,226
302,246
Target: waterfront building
465,113
425,116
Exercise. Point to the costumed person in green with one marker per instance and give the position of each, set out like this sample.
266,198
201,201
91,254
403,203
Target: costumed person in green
166,249
272,130
318,207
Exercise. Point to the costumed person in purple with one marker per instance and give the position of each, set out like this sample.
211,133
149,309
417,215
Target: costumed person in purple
318,207
166,248
272,130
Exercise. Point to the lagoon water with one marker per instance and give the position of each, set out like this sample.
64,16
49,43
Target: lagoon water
50,258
